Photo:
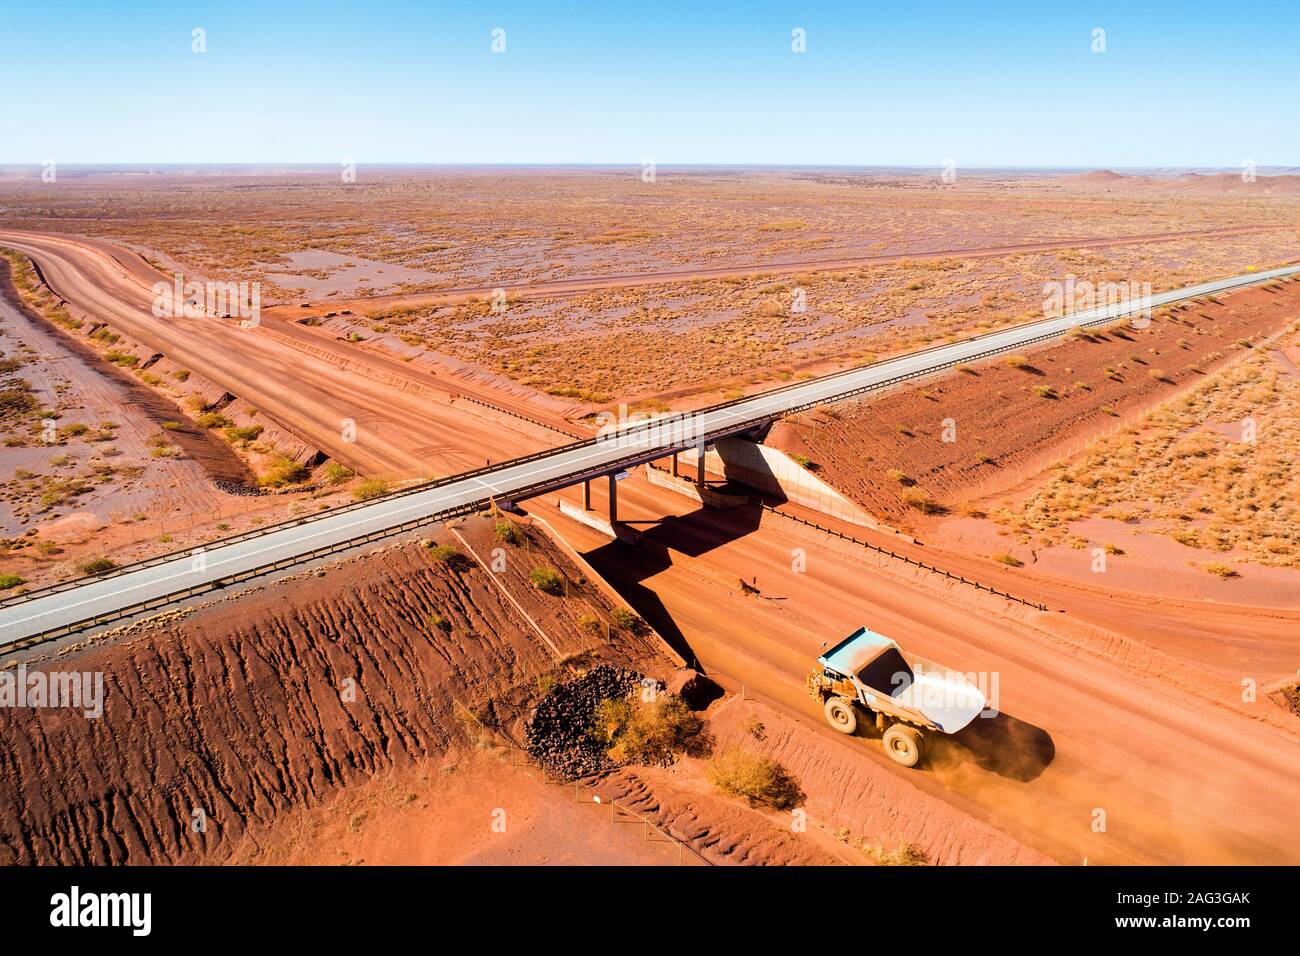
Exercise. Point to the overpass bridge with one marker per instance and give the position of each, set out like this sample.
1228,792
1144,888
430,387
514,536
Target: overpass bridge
89,602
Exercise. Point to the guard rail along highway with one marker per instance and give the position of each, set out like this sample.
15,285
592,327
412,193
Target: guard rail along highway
87,602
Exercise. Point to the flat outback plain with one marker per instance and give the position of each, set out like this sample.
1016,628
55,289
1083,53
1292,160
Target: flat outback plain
1101,526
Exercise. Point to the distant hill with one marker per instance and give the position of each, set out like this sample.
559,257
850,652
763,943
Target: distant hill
1191,182
1096,176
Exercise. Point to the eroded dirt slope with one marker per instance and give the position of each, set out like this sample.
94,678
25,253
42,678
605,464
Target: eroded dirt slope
279,698
890,453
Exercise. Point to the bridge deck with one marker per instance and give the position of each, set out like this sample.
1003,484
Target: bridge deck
159,581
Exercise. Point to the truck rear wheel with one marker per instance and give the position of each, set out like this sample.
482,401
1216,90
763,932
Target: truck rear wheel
903,744
841,714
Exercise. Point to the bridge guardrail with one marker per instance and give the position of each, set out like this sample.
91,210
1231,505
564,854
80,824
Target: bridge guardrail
1110,314
903,557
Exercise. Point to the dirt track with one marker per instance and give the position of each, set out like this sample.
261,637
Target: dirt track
242,710
405,422
1218,625
859,447
1090,718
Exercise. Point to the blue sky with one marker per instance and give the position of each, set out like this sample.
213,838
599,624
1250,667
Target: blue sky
1180,84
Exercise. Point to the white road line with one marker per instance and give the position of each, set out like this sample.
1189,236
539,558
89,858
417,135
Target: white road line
105,596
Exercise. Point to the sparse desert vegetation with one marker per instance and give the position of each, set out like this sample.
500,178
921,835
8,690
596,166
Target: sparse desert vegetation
896,456
1214,470
644,729
754,778
710,334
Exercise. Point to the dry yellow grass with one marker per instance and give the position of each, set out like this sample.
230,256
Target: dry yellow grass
470,229
1215,470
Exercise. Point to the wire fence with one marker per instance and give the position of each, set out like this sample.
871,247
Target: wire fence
619,812
540,487
519,415
903,557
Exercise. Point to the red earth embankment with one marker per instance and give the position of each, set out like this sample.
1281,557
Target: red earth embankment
279,698
981,430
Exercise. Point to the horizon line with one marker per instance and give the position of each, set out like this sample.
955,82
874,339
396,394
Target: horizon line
611,164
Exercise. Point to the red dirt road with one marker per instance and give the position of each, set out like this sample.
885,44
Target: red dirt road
307,383
1090,721
1009,445
1094,727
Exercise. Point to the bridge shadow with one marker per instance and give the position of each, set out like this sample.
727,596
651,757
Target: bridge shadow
627,567
1000,744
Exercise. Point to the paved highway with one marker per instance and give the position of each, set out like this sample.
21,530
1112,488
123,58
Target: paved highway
160,581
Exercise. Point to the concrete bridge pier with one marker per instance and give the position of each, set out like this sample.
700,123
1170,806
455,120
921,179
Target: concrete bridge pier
613,496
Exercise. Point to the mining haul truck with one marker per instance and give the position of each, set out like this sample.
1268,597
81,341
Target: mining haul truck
866,676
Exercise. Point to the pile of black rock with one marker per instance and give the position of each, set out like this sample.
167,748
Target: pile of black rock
238,488
557,733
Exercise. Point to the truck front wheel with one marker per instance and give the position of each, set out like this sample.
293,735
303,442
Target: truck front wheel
841,714
903,744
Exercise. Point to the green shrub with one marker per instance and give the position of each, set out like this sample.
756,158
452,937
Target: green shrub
648,732
212,420
370,488
546,580
335,474
15,403
242,433
281,471
8,581
626,620
446,554
758,780
96,565
507,532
